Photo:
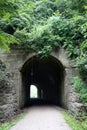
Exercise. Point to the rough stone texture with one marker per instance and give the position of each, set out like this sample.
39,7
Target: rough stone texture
15,61
70,99
8,101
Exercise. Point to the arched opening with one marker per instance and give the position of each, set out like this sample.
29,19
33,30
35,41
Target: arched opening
33,91
48,75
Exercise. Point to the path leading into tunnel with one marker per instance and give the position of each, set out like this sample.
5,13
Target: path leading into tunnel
42,118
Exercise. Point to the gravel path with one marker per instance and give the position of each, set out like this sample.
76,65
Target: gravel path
42,118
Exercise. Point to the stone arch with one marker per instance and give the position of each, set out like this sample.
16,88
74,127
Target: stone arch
18,63
48,74
16,60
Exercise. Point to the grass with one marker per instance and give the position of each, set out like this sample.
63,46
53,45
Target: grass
8,125
75,124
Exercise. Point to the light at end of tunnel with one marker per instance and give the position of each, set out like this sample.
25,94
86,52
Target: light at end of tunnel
33,91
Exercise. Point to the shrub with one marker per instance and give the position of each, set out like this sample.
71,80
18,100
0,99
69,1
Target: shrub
81,88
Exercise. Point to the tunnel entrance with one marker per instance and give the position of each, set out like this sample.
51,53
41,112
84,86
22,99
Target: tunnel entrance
47,75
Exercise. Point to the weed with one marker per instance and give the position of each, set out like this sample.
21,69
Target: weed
8,125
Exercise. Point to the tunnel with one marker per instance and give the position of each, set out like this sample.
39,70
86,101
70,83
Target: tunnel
47,75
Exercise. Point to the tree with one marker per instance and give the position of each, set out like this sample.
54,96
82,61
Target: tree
6,11
43,25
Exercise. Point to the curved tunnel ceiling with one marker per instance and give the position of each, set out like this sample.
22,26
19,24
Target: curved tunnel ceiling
46,74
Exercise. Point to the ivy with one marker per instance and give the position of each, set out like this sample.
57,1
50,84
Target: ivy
44,25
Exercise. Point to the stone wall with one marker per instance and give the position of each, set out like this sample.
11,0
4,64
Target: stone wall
8,100
14,62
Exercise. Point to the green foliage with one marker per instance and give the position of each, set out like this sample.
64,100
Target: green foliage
6,11
6,40
74,124
82,67
81,88
78,5
7,6
44,25
8,125
41,24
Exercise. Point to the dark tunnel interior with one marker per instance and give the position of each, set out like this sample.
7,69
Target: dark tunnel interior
47,75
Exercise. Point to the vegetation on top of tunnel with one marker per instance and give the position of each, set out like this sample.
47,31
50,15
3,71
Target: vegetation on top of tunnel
43,25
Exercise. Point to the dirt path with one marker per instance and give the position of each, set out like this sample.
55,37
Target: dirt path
42,118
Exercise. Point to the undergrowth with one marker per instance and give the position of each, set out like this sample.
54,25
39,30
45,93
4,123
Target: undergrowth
8,125
75,124
81,88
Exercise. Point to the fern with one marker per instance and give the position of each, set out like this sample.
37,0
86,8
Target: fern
6,40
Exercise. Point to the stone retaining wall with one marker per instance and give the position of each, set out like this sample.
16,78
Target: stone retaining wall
8,100
11,88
